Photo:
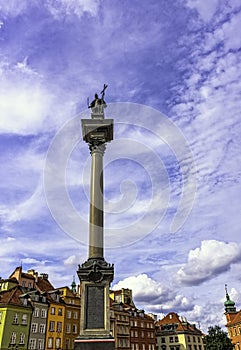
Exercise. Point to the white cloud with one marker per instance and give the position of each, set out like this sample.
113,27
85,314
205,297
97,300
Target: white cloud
209,260
206,9
25,210
23,108
230,30
13,7
73,261
154,296
143,287
73,7
32,261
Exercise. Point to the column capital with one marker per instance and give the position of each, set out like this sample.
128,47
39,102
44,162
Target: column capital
97,147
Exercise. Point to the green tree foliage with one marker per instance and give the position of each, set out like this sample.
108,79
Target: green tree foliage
217,339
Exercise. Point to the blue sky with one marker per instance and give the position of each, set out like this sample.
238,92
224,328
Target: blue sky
172,174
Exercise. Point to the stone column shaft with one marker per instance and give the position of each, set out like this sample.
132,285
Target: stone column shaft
96,203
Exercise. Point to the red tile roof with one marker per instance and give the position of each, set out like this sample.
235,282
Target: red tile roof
235,319
11,296
182,326
43,285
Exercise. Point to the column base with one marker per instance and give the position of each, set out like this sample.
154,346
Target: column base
94,344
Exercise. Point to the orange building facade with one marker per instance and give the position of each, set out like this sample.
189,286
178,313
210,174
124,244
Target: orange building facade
233,325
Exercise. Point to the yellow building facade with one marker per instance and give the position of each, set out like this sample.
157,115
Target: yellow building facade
55,322
176,333
72,316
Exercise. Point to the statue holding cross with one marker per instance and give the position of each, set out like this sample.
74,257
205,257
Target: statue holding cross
98,104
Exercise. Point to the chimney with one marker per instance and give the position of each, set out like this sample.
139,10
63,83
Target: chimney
44,276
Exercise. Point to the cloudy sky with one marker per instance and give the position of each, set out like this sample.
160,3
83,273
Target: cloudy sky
172,174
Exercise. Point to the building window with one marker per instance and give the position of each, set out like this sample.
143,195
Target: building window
43,313
171,339
15,319
42,328
60,312
29,285
68,314
50,343
188,338
142,334
21,339
36,312
41,344
34,328
234,332
176,339
25,302
44,299
58,343
59,327
51,326
75,315
67,344
194,339
13,338
74,328
32,344
52,310
24,319
68,328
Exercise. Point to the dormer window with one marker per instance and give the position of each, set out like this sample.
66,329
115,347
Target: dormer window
24,319
15,319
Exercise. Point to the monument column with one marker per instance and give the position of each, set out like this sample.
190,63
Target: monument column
96,235
96,274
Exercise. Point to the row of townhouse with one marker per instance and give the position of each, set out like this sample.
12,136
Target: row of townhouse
36,316
131,327
174,332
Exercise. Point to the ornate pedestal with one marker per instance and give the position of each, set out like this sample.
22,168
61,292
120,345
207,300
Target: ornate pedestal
95,276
